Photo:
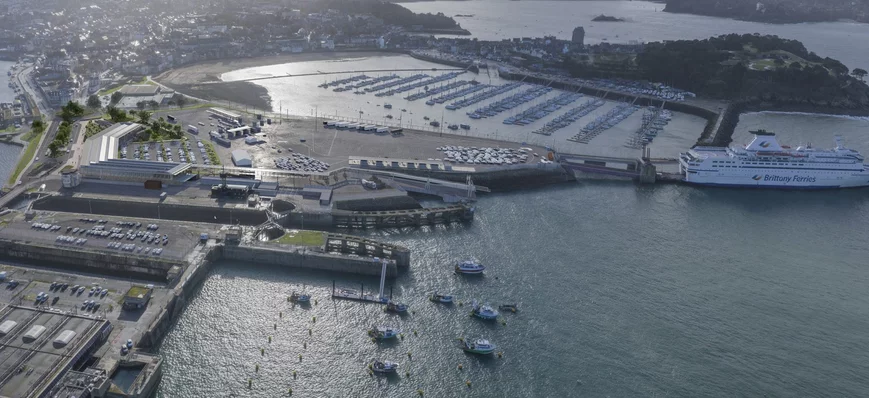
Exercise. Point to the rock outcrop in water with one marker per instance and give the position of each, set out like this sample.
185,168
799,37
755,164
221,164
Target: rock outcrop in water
607,18
775,11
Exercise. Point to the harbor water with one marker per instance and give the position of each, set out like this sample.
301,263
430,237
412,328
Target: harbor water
300,95
7,94
623,290
9,154
645,22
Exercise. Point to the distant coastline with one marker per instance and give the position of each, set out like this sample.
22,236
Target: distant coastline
783,12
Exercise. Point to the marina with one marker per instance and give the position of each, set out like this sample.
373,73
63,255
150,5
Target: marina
604,122
569,117
340,82
378,89
482,96
458,93
437,90
543,109
654,121
509,103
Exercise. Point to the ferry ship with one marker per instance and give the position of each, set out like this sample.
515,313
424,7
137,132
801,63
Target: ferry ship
764,163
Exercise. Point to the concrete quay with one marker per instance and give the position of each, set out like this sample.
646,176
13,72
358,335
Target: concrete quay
40,263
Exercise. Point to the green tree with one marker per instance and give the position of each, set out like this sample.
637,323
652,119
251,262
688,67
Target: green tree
154,105
141,105
859,73
54,148
116,97
144,116
116,115
37,125
94,102
180,100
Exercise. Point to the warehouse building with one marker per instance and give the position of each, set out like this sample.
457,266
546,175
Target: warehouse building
241,158
224,115
47,344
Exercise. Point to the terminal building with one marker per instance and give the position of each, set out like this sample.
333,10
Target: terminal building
100,160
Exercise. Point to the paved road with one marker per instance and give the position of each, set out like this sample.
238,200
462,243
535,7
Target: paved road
23,80
75,149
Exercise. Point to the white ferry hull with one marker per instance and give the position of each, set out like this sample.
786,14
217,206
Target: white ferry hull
780,179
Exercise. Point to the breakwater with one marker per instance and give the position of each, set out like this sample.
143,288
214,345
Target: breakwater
459,64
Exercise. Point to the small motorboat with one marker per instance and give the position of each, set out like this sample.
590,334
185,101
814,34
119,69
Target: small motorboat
440,298
469,267
479,346
392,306
484,311
383,332
509,307
300,297
383,367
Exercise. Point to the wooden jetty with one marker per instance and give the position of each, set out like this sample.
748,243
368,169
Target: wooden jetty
349,294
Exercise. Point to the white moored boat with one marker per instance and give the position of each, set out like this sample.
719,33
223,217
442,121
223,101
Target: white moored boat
484,311
469,267
479,346
383,367
764,163
383,332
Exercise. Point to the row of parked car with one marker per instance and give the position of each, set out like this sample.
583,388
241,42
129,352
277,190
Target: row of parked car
71,240
129,247
44,226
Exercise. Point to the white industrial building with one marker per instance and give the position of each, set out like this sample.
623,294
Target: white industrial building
100,159
241,158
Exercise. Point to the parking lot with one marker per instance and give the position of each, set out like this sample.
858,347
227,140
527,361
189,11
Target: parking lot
69,292
303,144
143,238
167,151
32,280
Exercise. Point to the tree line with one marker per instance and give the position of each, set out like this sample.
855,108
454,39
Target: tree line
392,14
737,67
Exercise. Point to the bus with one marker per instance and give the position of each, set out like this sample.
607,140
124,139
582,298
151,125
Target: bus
170,118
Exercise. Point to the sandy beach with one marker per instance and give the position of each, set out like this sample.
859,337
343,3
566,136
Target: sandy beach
209,71
188,79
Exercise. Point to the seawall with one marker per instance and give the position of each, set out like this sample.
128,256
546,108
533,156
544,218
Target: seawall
307,259
158,211
505,178
470,66
87,260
